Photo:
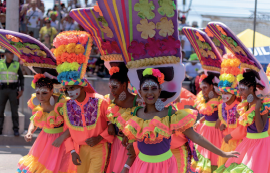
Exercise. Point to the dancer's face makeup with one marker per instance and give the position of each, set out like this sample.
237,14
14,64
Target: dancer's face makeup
116,87
73,91
206,88
150,91
43,94
244,91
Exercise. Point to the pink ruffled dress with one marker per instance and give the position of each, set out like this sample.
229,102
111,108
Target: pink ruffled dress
119,153
254,149
43,156
154,140
208,161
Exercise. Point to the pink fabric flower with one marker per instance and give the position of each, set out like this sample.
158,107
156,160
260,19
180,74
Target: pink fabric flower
156,73
170,45
72,38
137,49
153,47
83,38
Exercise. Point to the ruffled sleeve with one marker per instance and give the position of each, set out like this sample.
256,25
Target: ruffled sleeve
49,120
46,120
183,119
206,108
154,130
266,106
118,115
31,103
247,116
58,108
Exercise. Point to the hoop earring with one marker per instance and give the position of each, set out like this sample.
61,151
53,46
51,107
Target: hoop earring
250,98
211,94
52,101
159,105
122,96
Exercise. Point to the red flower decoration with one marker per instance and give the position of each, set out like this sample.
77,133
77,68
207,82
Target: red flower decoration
114,70
111,47
170,45
153,47
115,47
137,49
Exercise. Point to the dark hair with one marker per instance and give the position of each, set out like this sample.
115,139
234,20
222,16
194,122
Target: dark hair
209,79
250,79
149,77
121,76
46,82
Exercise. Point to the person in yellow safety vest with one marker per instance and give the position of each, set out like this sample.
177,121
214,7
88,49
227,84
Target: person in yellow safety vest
11,77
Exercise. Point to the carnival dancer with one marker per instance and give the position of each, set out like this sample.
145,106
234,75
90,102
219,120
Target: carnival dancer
208,126
123,101
227,110
153,126
85,114
254,149
43,156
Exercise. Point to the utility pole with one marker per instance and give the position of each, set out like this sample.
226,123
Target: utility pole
255,17
12,15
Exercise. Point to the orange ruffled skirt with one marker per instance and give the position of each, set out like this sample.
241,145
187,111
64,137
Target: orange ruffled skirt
44,157
118,157
254,157
167,166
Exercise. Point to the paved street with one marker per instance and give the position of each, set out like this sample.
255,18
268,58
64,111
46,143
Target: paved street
9,157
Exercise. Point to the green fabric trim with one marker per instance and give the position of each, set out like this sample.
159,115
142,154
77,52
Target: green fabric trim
136,109
135,101
156,158
54,131
210,123
257,135
235,168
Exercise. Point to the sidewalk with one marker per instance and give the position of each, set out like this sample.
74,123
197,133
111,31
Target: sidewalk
10,156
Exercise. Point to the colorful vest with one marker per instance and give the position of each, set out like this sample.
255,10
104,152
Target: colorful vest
9,75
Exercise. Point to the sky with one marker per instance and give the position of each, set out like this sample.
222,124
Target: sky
237,8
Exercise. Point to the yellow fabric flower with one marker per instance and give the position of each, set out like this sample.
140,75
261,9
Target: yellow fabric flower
147,71
67,67
71,47
240,77
61,49
228,77
79,49
147,29
108,31
166,27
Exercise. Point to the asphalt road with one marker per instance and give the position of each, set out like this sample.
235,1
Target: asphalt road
10,156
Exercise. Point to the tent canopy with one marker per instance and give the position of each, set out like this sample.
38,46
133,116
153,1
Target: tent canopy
262,45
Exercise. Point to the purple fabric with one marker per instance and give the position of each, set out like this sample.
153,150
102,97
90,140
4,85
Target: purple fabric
155,149
191,150
212,117
136,35
252,128
232,114
90,109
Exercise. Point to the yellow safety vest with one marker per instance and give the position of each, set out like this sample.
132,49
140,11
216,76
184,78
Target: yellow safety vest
10,74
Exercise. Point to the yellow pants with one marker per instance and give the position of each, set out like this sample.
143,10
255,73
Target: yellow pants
231,146
93,158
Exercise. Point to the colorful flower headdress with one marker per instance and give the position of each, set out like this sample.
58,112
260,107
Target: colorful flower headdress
268,72
72,53
230,74
36,78
103,35
156,73
53,12
114,70
202,77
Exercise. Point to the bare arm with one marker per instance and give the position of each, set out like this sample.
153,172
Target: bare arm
31,130
200,140
260,120
58,142
131,157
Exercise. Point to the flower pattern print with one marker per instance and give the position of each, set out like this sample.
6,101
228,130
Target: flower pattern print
90,112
